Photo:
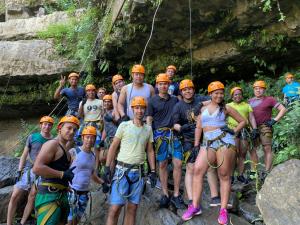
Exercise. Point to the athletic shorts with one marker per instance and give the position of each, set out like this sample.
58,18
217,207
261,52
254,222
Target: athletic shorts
27,180
227,140
167,145
78,207
265,135
121,191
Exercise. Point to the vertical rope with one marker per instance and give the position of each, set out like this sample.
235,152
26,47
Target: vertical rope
191,50
152,28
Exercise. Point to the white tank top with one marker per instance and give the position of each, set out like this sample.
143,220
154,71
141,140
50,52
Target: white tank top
93,110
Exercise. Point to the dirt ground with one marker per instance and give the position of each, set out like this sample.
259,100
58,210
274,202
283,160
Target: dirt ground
9,132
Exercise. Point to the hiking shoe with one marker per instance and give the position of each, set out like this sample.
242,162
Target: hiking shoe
242,179
223,217
178,202
190,212
215,201
164,201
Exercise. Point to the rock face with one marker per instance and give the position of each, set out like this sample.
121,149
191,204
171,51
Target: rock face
27,28
279,198
225,35
30,57
8,170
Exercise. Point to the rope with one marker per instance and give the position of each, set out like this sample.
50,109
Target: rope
152,28
191,51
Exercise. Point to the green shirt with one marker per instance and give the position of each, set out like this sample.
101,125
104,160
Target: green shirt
134,142
243,109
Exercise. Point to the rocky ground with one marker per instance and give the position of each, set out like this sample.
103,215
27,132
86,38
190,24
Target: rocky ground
277,201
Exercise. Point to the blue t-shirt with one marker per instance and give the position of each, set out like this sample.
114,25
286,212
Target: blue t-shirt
292,89
74,97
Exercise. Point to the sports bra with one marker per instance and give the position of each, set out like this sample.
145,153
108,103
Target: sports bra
216,119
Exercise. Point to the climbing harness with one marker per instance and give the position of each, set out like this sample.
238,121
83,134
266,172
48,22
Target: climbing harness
125,170
164,136
210,142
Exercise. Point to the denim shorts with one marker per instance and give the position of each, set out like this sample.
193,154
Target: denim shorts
78,209
27,180
226,141
170,146
120,188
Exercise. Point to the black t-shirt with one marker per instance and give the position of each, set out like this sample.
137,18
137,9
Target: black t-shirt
161,111
186,113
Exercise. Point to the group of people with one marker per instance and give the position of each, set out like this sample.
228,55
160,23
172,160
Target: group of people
140,123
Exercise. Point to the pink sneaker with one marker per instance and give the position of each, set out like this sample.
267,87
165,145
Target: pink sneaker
223,217
190,212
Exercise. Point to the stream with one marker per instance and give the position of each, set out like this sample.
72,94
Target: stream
9,134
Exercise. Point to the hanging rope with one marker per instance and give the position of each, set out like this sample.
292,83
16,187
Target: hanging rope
152,28
191,50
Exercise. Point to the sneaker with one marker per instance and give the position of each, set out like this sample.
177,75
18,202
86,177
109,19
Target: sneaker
190,212
164,201
215,201
178,202
223,217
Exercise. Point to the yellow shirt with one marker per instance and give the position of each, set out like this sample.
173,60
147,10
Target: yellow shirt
242,108
134,142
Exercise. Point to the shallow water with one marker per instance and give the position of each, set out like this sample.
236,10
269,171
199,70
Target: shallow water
9,134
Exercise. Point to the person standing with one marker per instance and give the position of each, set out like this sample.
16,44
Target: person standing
159,116
118,83
135,140
218,147
91,110
52,165
74,93
136,88
26,178
185,114
262,109
101,93
83,160
291,90
243,137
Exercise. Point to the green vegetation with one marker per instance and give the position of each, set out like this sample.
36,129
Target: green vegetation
76,38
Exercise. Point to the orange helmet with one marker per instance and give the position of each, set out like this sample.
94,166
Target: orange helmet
216,85
138,69
138,101
171,67
186,83
289,75
116,78
90,87
260,83
89,130
73,75
234,89
162,77
107,98
47,119
69,119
